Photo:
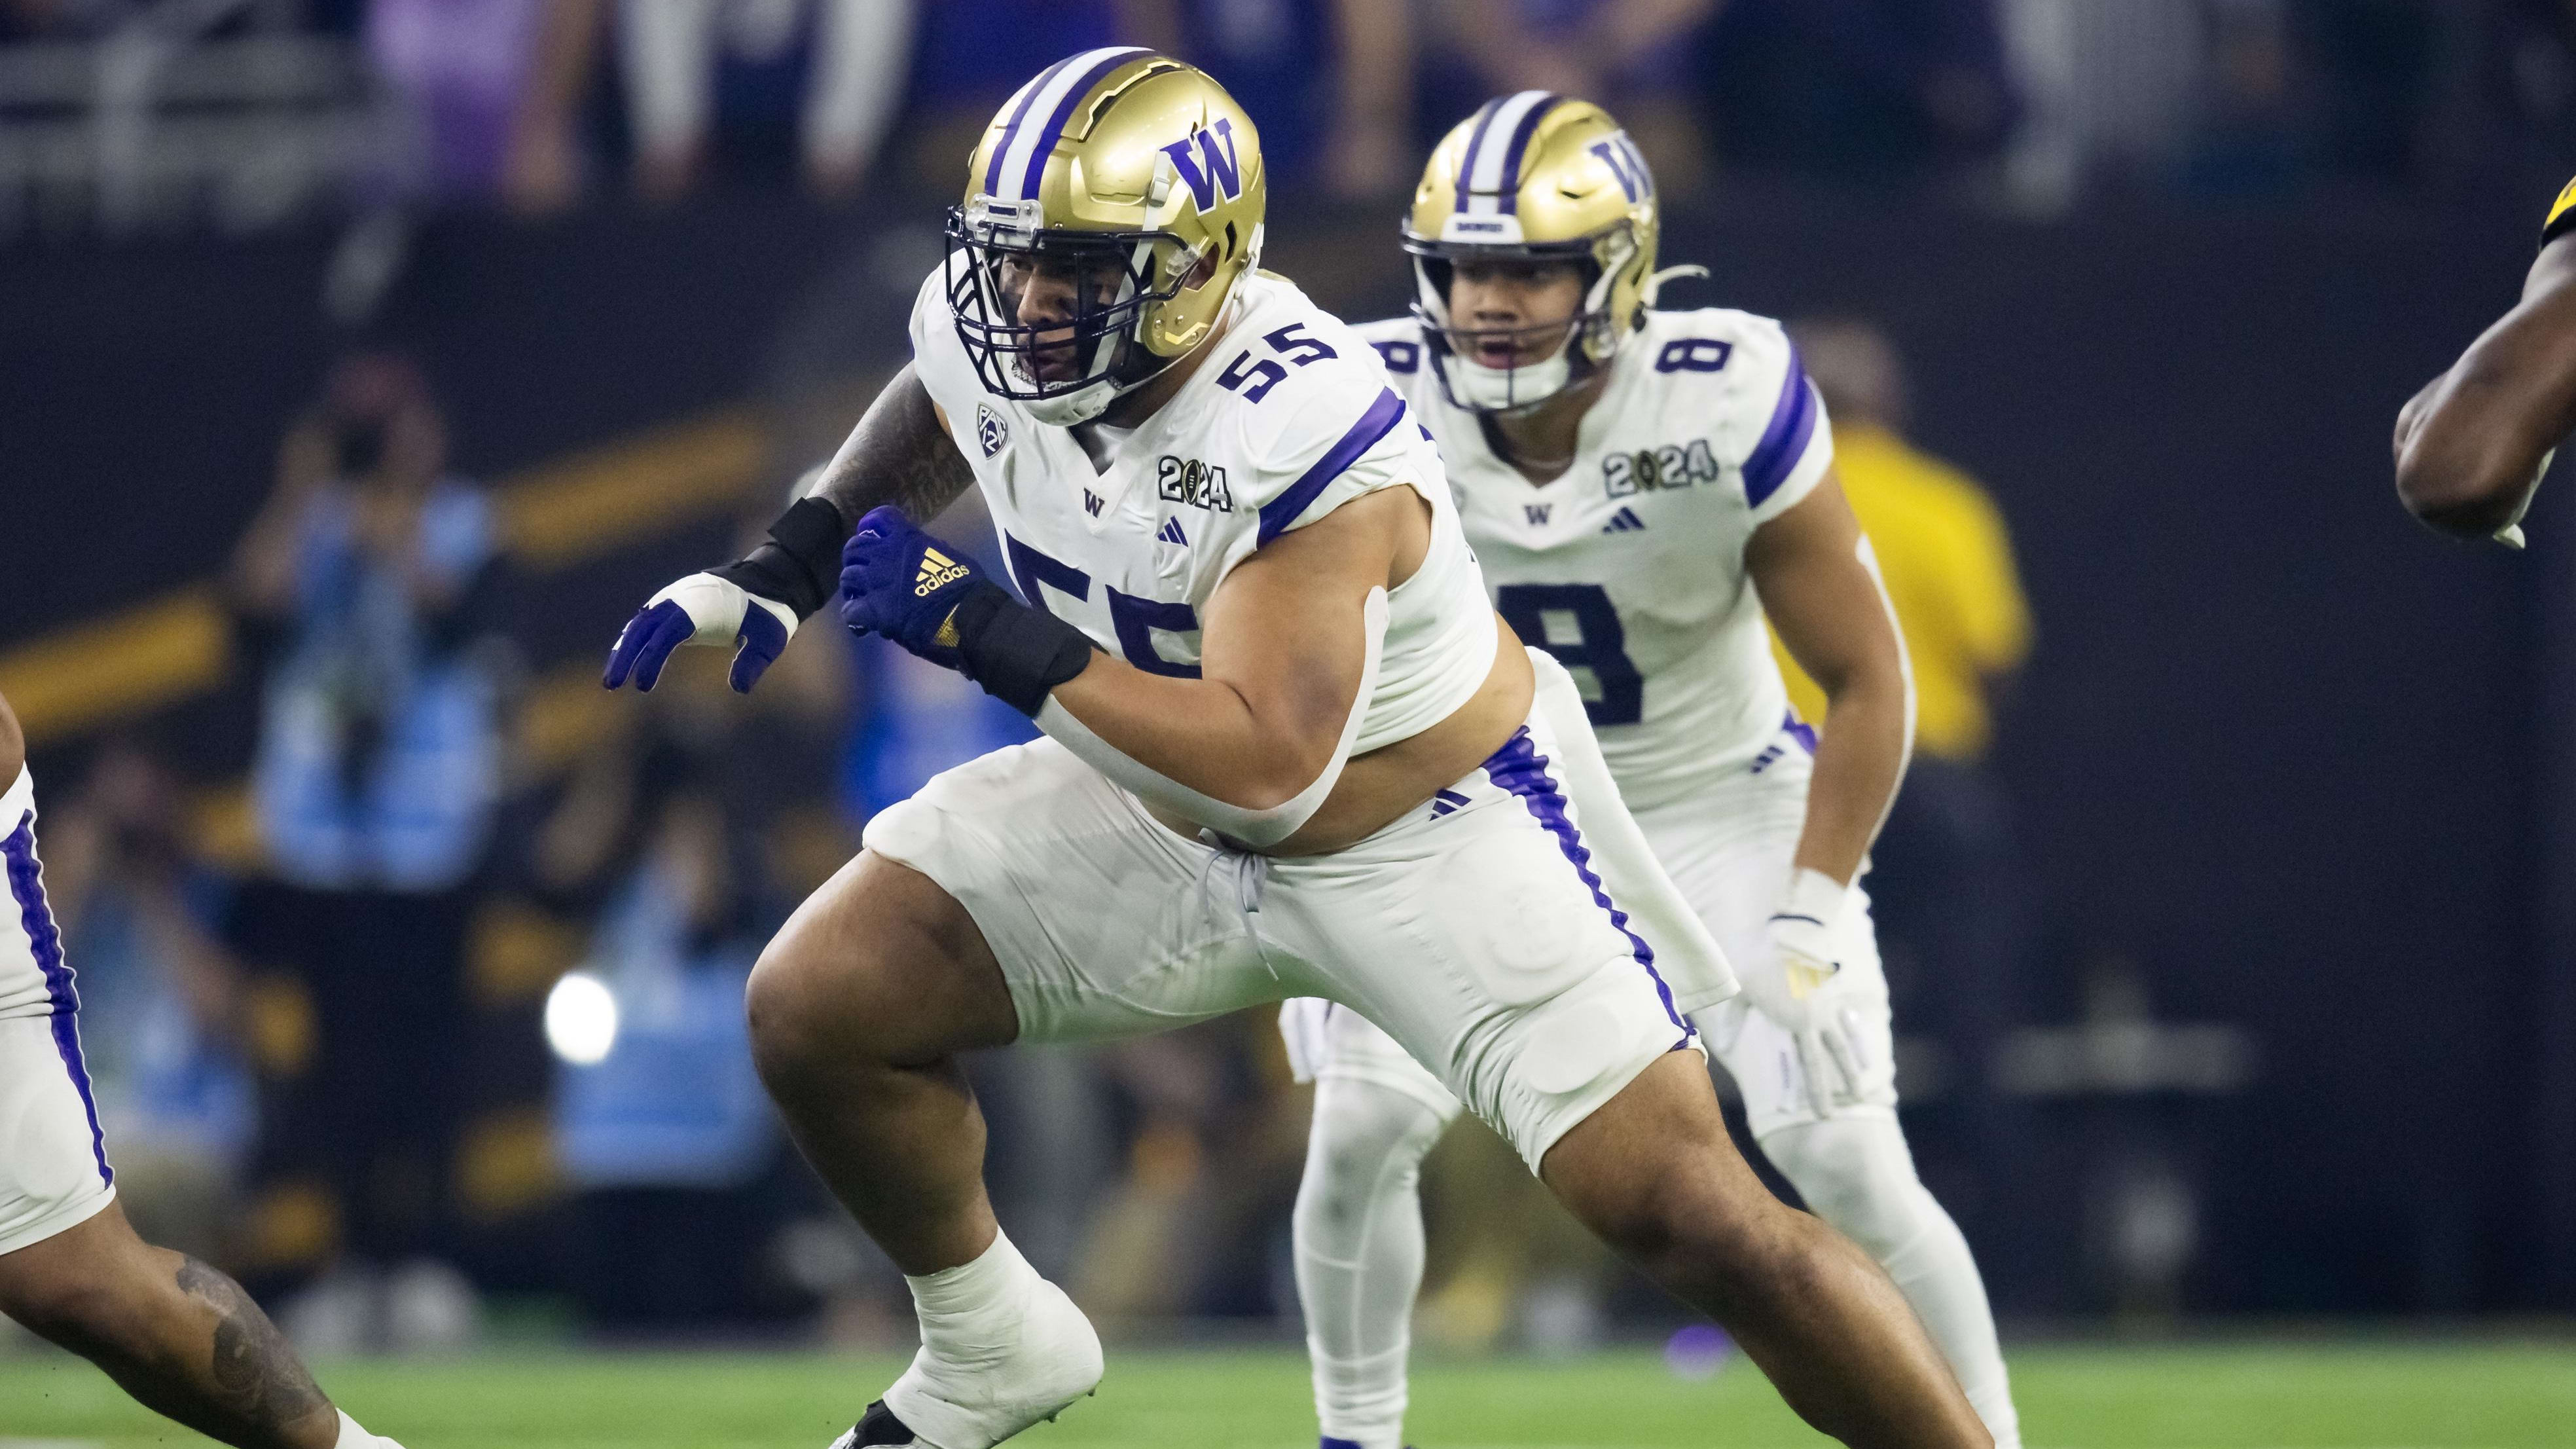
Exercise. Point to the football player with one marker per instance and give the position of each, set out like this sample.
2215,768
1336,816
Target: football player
1289,750
2472,446
180,1337
1643,487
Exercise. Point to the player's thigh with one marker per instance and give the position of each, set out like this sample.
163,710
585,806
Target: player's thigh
1097,920
878,964
53,1165
1652,1170
87,1281
1474,934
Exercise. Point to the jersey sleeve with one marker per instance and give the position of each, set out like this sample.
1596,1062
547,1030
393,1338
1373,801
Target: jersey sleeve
2562,216
938,358
1327,434
1775,423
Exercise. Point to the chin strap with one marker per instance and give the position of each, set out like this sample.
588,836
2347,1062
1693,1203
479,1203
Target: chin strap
1235,822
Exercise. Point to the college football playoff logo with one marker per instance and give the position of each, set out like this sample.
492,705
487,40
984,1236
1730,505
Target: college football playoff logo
990,430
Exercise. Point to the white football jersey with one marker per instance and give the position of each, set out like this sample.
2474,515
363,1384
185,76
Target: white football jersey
33,979
1290,417
1629,566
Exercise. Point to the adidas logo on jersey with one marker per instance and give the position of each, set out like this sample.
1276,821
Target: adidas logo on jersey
938,571
1171,533
1624,521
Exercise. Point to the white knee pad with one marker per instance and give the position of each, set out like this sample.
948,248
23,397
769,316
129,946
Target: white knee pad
1856,1173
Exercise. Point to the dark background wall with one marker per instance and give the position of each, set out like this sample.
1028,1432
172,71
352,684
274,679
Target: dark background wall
2274,751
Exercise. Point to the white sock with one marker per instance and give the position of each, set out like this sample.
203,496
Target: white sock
1358,1231
354,1437
1001,1348
1857,1174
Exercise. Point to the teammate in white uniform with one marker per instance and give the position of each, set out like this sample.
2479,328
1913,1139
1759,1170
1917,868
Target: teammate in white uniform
1285,732
179,1336
1630,478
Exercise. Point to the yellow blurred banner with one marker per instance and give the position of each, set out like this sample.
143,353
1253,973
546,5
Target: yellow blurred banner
552,516
124,664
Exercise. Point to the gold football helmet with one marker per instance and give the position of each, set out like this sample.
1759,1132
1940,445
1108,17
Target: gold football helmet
1111,208
1538,179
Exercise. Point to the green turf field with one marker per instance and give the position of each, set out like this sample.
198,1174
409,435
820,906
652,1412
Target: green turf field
2409,1396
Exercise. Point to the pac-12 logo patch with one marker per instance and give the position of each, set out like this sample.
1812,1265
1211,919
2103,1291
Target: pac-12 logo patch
990,430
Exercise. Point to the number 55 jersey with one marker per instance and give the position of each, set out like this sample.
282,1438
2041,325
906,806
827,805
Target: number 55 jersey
1629,565
1288,417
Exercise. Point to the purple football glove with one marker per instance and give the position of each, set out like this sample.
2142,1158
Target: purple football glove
900,582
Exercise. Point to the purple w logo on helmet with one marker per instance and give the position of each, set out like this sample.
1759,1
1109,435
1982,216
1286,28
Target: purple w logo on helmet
1210,171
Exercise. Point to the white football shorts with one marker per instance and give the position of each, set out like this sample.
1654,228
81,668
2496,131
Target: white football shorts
53,1166
1728,851
1472,928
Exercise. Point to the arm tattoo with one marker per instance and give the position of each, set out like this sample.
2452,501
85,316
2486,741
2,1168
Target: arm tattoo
898,454
255,1372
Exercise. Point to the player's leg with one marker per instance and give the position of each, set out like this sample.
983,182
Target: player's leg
1857,1174
1655,1175
1358,1223
858,1009
1020,896
1853,1168
182,1338
1480,938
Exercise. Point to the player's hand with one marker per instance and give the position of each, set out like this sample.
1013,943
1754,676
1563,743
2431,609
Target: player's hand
900,582
1803,987
701,609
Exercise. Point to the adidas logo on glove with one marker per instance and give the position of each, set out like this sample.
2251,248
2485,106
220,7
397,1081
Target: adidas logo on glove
937,572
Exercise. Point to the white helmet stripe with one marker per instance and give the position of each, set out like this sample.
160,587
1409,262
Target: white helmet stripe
1021,164
1492,151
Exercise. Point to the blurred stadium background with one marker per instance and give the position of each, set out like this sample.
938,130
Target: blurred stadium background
363,362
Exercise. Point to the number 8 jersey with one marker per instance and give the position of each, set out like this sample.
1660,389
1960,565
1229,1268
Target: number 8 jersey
1629,566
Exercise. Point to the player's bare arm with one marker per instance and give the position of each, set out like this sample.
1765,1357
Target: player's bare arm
1281,656
2470,447
900,453
1826,603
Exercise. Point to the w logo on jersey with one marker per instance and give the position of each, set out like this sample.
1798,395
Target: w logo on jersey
1537,513
1211,171
1091,502
1620,154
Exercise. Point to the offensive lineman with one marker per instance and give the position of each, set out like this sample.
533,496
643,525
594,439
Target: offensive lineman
183,1339
2472,446
1642,488
1284,730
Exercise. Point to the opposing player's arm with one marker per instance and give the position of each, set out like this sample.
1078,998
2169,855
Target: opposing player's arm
1283,645
1820,586
13,746
2471,444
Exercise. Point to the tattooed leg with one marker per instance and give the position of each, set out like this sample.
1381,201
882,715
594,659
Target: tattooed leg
182,1338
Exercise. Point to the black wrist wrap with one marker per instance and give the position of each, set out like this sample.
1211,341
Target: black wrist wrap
800,566
1015,652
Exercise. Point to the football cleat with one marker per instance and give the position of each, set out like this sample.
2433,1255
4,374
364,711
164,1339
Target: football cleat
877,1426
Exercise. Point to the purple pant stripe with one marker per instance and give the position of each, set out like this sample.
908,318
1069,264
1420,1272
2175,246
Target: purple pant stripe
27,888
1521,769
